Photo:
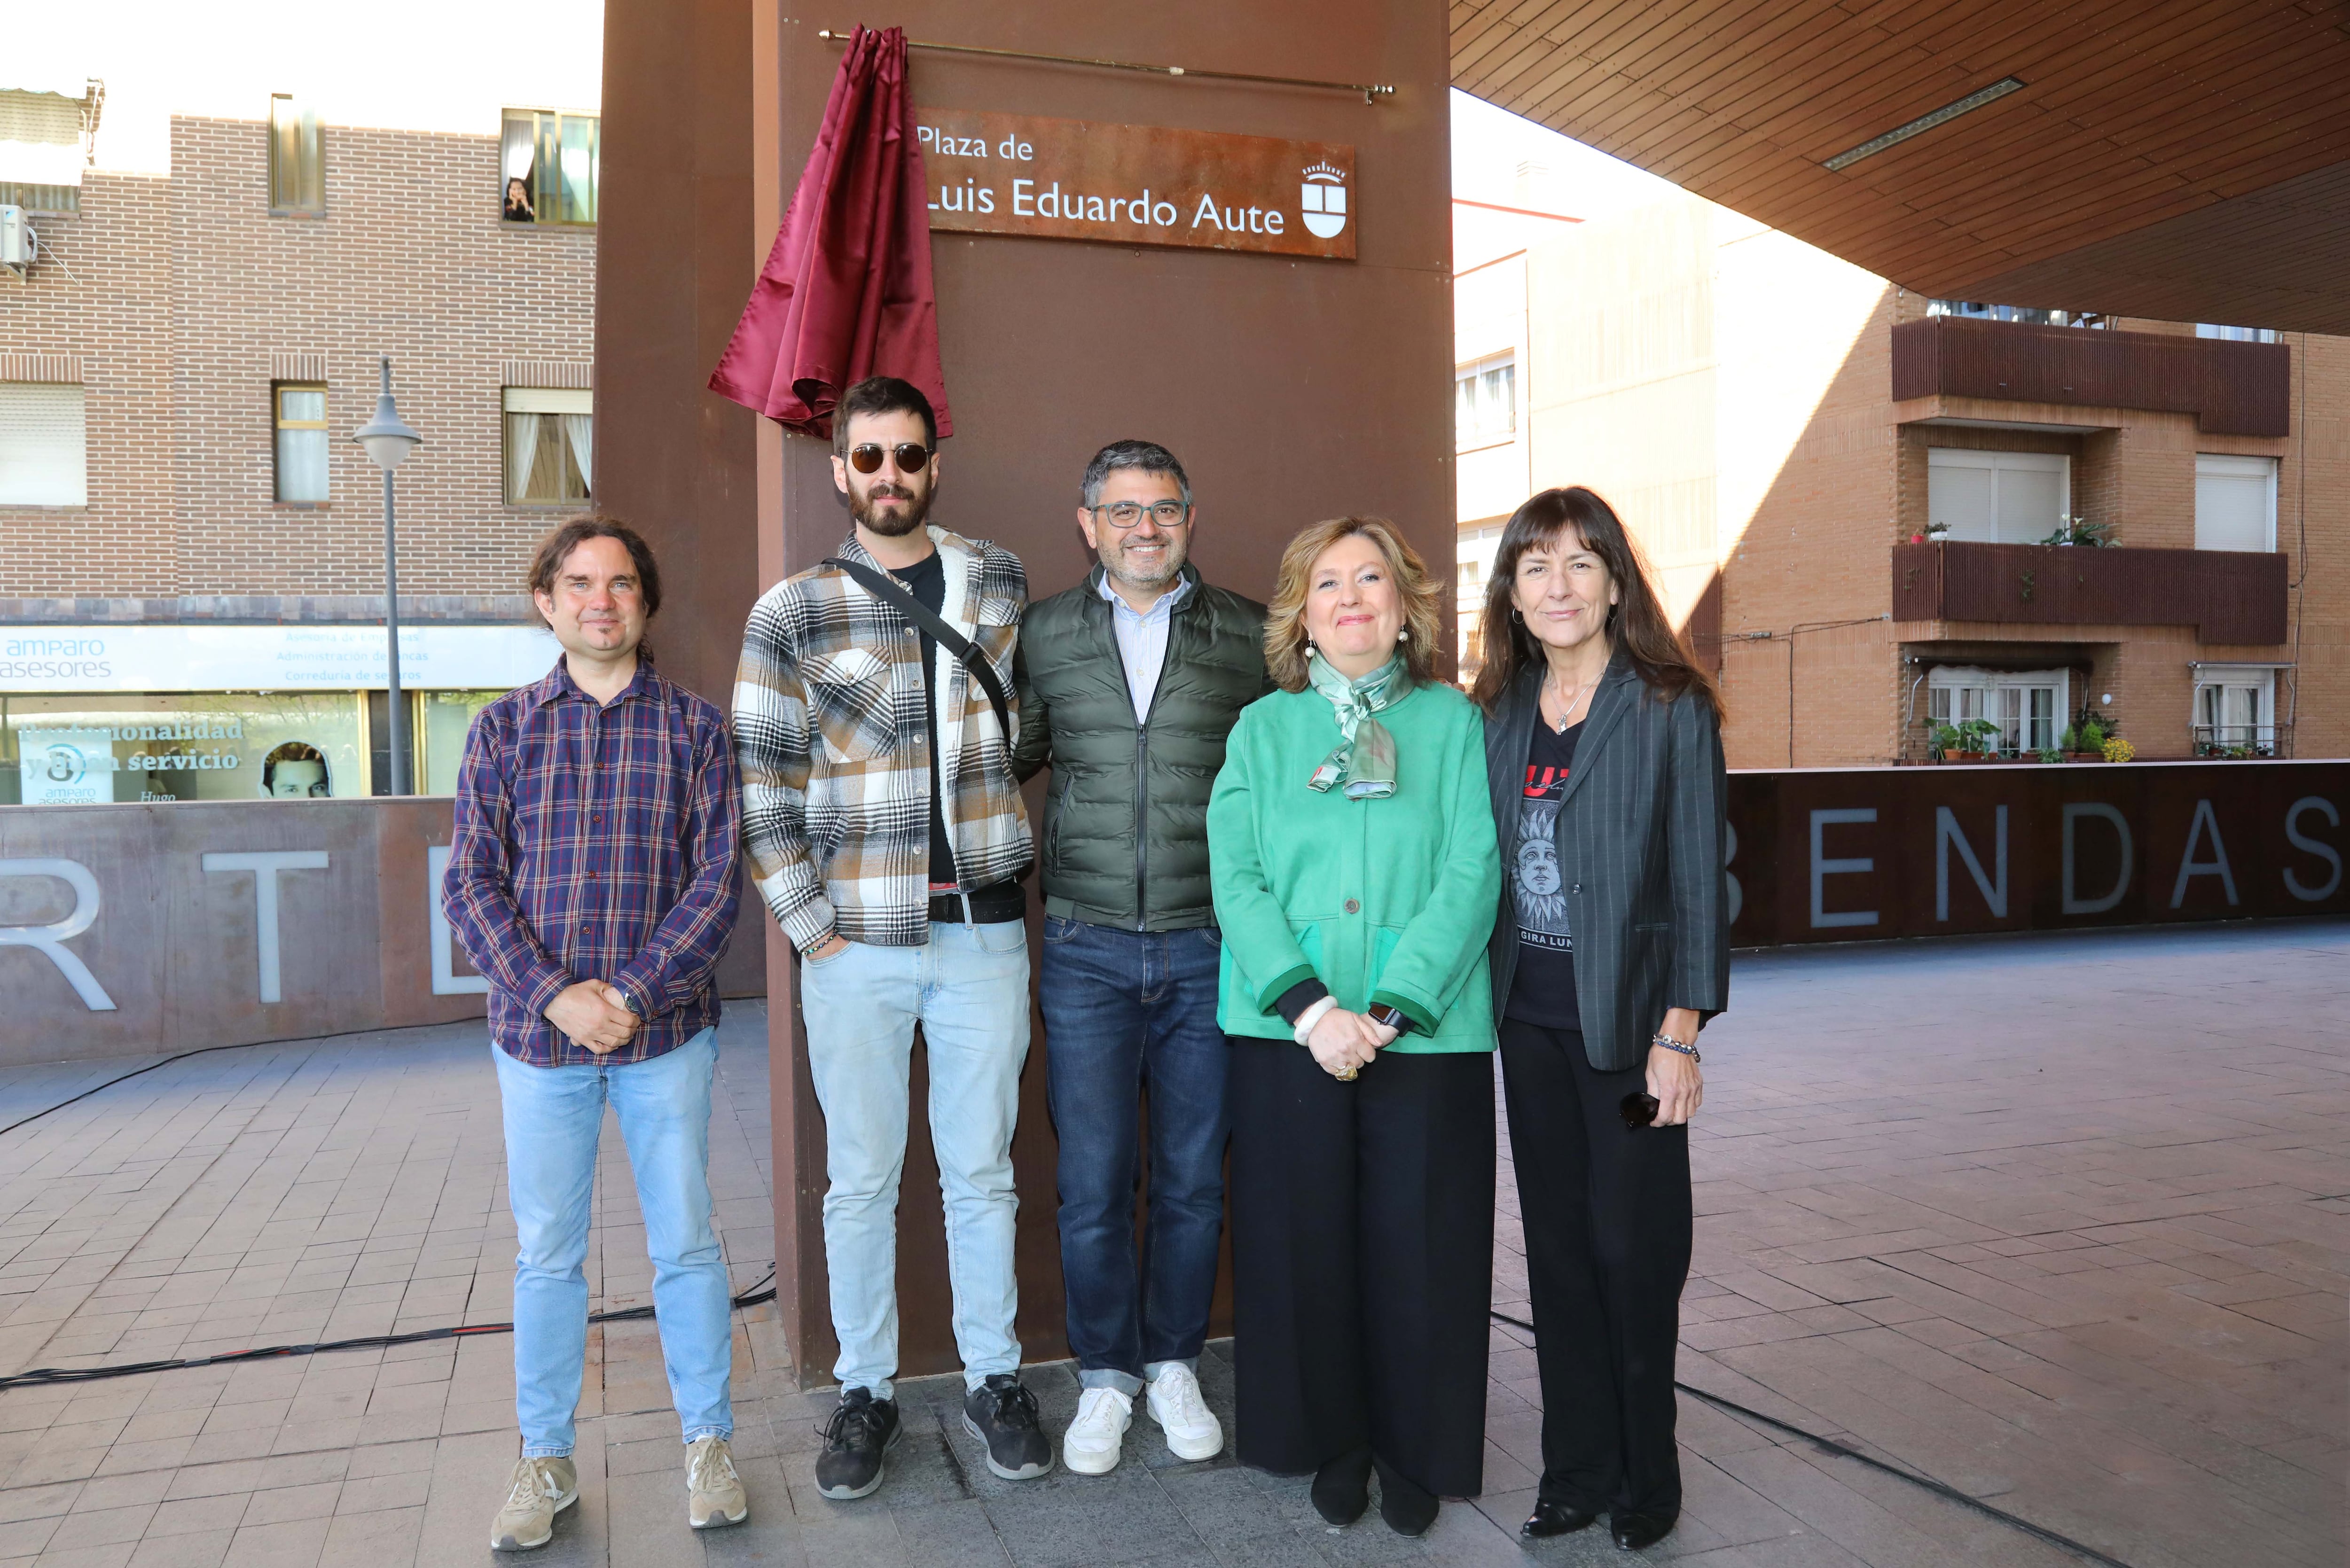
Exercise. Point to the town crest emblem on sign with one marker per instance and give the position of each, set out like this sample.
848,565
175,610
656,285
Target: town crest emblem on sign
1322,200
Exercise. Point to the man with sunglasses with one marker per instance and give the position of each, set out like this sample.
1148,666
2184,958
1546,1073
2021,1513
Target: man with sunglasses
885,831
1129,684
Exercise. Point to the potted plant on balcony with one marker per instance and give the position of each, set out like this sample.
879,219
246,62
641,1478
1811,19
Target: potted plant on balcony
2084,742
2080,531
1971,741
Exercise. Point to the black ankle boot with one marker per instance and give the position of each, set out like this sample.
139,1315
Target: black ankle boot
1407,1508
1342,1488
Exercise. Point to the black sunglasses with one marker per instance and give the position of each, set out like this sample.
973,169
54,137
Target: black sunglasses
866,456
1639,1110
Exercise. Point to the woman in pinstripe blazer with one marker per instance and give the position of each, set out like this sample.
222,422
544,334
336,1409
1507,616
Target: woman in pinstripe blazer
1603,743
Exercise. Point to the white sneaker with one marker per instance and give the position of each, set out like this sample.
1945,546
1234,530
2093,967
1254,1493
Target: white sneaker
1193,1430
1091,1444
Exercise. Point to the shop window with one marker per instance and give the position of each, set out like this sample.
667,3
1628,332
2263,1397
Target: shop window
301,453
93,748
1997,497
2027,708
448,719
549,163
1485,402
2235,503
550,451
43,451
297,159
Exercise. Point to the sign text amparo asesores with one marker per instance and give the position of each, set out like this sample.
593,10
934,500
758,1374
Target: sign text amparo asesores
1137,184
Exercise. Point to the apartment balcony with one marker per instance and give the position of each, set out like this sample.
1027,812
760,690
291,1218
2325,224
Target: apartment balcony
2228,597
2230,388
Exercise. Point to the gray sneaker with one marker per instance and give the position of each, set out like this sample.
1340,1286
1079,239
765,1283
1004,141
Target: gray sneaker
713,1492
537,1491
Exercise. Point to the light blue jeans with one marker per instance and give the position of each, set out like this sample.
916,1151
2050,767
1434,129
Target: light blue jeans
553,1115
968,988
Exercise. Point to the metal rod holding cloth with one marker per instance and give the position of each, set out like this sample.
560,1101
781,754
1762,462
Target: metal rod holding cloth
1372,91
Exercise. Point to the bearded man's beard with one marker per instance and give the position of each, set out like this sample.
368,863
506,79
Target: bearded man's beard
894,524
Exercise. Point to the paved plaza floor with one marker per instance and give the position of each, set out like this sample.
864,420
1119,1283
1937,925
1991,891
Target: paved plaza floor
2062,1221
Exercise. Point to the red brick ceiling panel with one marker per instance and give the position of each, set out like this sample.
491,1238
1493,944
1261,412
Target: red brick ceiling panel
2134,119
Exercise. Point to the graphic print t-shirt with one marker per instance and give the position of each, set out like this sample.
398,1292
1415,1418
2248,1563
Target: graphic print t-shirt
1543,990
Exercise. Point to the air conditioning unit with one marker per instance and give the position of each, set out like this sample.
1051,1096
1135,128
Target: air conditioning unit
17,241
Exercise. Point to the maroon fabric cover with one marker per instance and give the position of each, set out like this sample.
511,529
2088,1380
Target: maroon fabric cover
845,293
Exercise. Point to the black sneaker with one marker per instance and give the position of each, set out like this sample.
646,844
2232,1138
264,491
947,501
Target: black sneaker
861,1430
1002,1414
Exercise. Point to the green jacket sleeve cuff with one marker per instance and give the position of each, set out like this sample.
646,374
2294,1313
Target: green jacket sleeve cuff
1281,984
1420,1022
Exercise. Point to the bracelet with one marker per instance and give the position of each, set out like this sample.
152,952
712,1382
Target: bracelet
1314,1013
1669,1043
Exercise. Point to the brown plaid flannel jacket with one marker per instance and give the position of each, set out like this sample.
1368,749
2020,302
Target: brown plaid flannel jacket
835,748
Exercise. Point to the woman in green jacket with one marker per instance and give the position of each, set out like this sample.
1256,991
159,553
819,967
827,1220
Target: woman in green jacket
1356,882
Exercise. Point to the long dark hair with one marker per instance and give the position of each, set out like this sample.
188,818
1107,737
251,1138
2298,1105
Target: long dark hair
1637,624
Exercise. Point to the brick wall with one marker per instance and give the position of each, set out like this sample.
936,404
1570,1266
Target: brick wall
186,298
1686,343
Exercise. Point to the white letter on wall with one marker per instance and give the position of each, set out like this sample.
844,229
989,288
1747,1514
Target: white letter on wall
265,864
48,940
2098,809
1822,870
1946,833
2190,866
2317,846
446,981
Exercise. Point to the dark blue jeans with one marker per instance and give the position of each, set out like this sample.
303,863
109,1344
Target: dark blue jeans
1123,1010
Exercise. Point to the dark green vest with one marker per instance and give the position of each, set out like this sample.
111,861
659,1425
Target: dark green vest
1125,839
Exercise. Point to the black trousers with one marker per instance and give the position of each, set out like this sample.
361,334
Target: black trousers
1362,1261
1608,1221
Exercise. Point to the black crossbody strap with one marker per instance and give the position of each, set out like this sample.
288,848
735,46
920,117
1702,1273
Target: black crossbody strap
891,592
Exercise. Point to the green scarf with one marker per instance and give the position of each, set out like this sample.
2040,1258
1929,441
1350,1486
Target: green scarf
1365,760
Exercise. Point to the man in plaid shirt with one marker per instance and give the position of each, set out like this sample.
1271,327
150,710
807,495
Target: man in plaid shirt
885,832
592,881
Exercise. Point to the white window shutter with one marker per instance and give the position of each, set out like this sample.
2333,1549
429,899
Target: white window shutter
2234,497
44,453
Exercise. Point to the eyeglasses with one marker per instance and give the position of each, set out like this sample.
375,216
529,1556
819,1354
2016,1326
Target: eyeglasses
1129,513
1639,1110
866,456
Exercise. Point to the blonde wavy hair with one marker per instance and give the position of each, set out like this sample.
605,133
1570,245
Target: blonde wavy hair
1286,641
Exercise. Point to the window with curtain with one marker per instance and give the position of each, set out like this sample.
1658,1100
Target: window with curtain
550,450
44,455
301,456
2235,710
549,167
297,159
2236,334
2027,706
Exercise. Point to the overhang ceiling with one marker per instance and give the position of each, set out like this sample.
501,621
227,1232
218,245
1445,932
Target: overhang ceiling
2188,160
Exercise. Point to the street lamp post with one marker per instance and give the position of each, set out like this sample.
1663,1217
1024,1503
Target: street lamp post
388,439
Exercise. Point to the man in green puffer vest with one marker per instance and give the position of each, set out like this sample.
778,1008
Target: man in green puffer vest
1129,685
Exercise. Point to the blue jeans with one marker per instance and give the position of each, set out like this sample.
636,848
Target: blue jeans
968,988
553,1115
1122,1010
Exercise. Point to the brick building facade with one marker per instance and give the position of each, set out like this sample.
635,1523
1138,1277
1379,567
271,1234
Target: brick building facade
1733,392
180,306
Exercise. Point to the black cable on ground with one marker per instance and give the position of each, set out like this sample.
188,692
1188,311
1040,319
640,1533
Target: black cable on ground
1939,1489
201,1050
41,1375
